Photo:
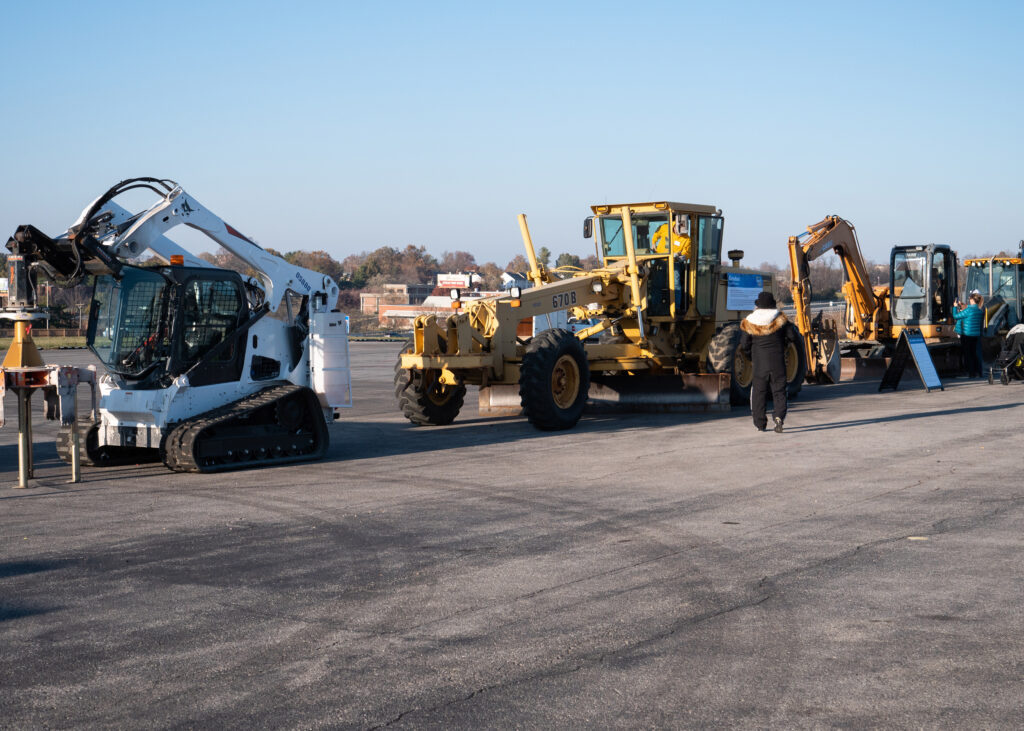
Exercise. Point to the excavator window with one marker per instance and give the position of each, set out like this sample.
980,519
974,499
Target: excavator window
940,299
910,270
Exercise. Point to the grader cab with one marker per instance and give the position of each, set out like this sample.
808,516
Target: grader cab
663,337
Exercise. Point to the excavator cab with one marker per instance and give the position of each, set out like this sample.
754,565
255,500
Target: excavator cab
923,283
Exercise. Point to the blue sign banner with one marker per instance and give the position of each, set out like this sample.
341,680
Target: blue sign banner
742,290
923,359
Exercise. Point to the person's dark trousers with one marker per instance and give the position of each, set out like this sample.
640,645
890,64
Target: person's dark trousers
775,381
972,354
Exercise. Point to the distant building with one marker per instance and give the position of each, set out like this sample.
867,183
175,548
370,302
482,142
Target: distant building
460,280
401,294
515,279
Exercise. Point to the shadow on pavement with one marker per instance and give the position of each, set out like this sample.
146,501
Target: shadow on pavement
902,417
7,613
20,568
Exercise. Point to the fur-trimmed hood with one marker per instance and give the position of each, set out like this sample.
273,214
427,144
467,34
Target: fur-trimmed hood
763,322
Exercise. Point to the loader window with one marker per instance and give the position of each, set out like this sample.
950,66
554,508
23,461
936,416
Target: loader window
1004,281
127,324
210,310
709,252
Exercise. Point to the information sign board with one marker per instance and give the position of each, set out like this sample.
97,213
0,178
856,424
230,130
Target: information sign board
911,345
742,290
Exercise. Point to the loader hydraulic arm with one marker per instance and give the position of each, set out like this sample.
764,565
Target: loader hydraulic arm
106,235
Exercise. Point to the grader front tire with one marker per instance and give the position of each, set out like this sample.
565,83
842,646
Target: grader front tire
423,399
554,380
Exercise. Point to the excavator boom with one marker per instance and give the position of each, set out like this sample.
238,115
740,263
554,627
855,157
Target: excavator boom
866,309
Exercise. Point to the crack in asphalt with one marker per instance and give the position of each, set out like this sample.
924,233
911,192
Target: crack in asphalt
588,660
584,661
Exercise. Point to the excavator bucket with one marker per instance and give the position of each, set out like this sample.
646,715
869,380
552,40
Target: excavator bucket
863,364
827,357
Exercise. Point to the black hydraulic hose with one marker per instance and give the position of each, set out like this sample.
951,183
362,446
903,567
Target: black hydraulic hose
118,189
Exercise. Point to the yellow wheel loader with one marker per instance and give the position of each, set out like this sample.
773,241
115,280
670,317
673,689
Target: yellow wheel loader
1000,280
664,336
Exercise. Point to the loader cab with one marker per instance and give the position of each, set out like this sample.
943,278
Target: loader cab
923,283
152,324
998,278
680,244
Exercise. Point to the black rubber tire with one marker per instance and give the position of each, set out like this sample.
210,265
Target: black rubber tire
722,358
554,380
799,373
424,401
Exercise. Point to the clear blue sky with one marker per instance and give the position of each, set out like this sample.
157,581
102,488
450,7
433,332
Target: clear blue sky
347,126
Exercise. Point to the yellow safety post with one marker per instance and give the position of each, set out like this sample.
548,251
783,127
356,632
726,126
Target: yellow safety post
23,352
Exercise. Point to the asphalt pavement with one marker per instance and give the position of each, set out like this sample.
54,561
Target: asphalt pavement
862,569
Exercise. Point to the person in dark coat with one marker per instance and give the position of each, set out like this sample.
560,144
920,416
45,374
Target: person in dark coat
764,340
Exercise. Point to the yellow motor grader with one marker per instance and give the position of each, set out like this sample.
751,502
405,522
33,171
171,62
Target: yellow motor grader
664,328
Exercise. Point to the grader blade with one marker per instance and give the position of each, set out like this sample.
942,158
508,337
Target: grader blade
689,392
500,400
650,394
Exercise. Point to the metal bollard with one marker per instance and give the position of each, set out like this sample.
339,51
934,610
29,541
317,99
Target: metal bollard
76,458
24,438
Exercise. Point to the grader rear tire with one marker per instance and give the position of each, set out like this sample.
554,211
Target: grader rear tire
423,399
724,357
796,362
554,380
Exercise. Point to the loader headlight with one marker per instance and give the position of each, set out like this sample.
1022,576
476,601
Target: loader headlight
455,294
515,293
598,287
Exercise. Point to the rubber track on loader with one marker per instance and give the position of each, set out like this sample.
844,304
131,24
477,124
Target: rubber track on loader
188,446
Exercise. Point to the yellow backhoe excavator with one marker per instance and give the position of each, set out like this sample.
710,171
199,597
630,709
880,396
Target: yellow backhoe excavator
920,295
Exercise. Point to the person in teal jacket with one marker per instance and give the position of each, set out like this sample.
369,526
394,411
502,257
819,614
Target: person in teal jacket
970,320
